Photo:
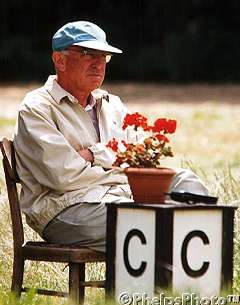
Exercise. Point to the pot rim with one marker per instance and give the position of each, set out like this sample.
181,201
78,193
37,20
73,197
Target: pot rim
149,171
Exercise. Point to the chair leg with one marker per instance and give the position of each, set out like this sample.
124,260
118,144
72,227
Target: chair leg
76,277
82,280
17,276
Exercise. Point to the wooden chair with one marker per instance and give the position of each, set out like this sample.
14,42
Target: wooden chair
75,257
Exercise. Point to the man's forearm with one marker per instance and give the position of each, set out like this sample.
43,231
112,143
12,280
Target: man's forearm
86,154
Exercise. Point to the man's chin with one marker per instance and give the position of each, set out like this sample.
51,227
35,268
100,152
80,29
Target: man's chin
97,81
96,77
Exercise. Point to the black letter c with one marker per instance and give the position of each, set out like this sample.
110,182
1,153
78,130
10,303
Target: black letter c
186,267
139,271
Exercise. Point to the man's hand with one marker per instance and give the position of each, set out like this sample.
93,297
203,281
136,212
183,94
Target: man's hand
86,154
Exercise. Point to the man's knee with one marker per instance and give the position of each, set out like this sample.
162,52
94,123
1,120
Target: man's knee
187,181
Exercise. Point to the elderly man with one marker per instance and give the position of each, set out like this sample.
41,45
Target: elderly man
60,142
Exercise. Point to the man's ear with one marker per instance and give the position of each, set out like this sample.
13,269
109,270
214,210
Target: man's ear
59,61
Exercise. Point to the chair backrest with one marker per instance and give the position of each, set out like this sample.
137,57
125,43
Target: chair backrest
12,178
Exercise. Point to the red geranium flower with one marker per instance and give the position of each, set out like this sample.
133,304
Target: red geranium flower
162,138
159,125
171,126
149,151
113,144
168,126
136,120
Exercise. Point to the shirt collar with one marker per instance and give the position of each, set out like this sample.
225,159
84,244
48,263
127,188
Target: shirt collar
91,103
58,93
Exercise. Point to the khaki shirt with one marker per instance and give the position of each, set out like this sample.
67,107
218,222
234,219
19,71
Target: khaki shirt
51,128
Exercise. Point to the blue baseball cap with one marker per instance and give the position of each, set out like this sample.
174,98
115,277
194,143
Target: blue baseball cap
84,34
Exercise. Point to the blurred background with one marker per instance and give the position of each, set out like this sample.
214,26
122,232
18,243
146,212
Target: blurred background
163,40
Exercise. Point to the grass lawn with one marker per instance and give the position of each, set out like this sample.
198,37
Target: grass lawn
206,140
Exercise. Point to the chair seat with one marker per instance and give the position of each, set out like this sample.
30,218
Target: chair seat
43,251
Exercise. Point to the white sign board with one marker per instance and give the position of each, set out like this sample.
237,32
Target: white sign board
184,248
197,251
135,251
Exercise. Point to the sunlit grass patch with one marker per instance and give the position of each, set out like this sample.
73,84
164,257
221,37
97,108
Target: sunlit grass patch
6,126
5,122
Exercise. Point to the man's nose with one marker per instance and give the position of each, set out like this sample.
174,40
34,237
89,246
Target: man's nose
97,63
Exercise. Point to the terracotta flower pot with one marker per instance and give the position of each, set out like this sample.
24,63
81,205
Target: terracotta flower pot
148,185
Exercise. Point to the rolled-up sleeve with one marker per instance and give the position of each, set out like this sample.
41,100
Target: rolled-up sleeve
103,156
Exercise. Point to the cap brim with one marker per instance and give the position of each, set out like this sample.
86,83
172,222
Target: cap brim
97,45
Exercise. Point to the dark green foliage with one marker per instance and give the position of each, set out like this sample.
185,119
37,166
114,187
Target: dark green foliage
166,40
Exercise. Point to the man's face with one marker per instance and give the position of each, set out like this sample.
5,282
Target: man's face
85,67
